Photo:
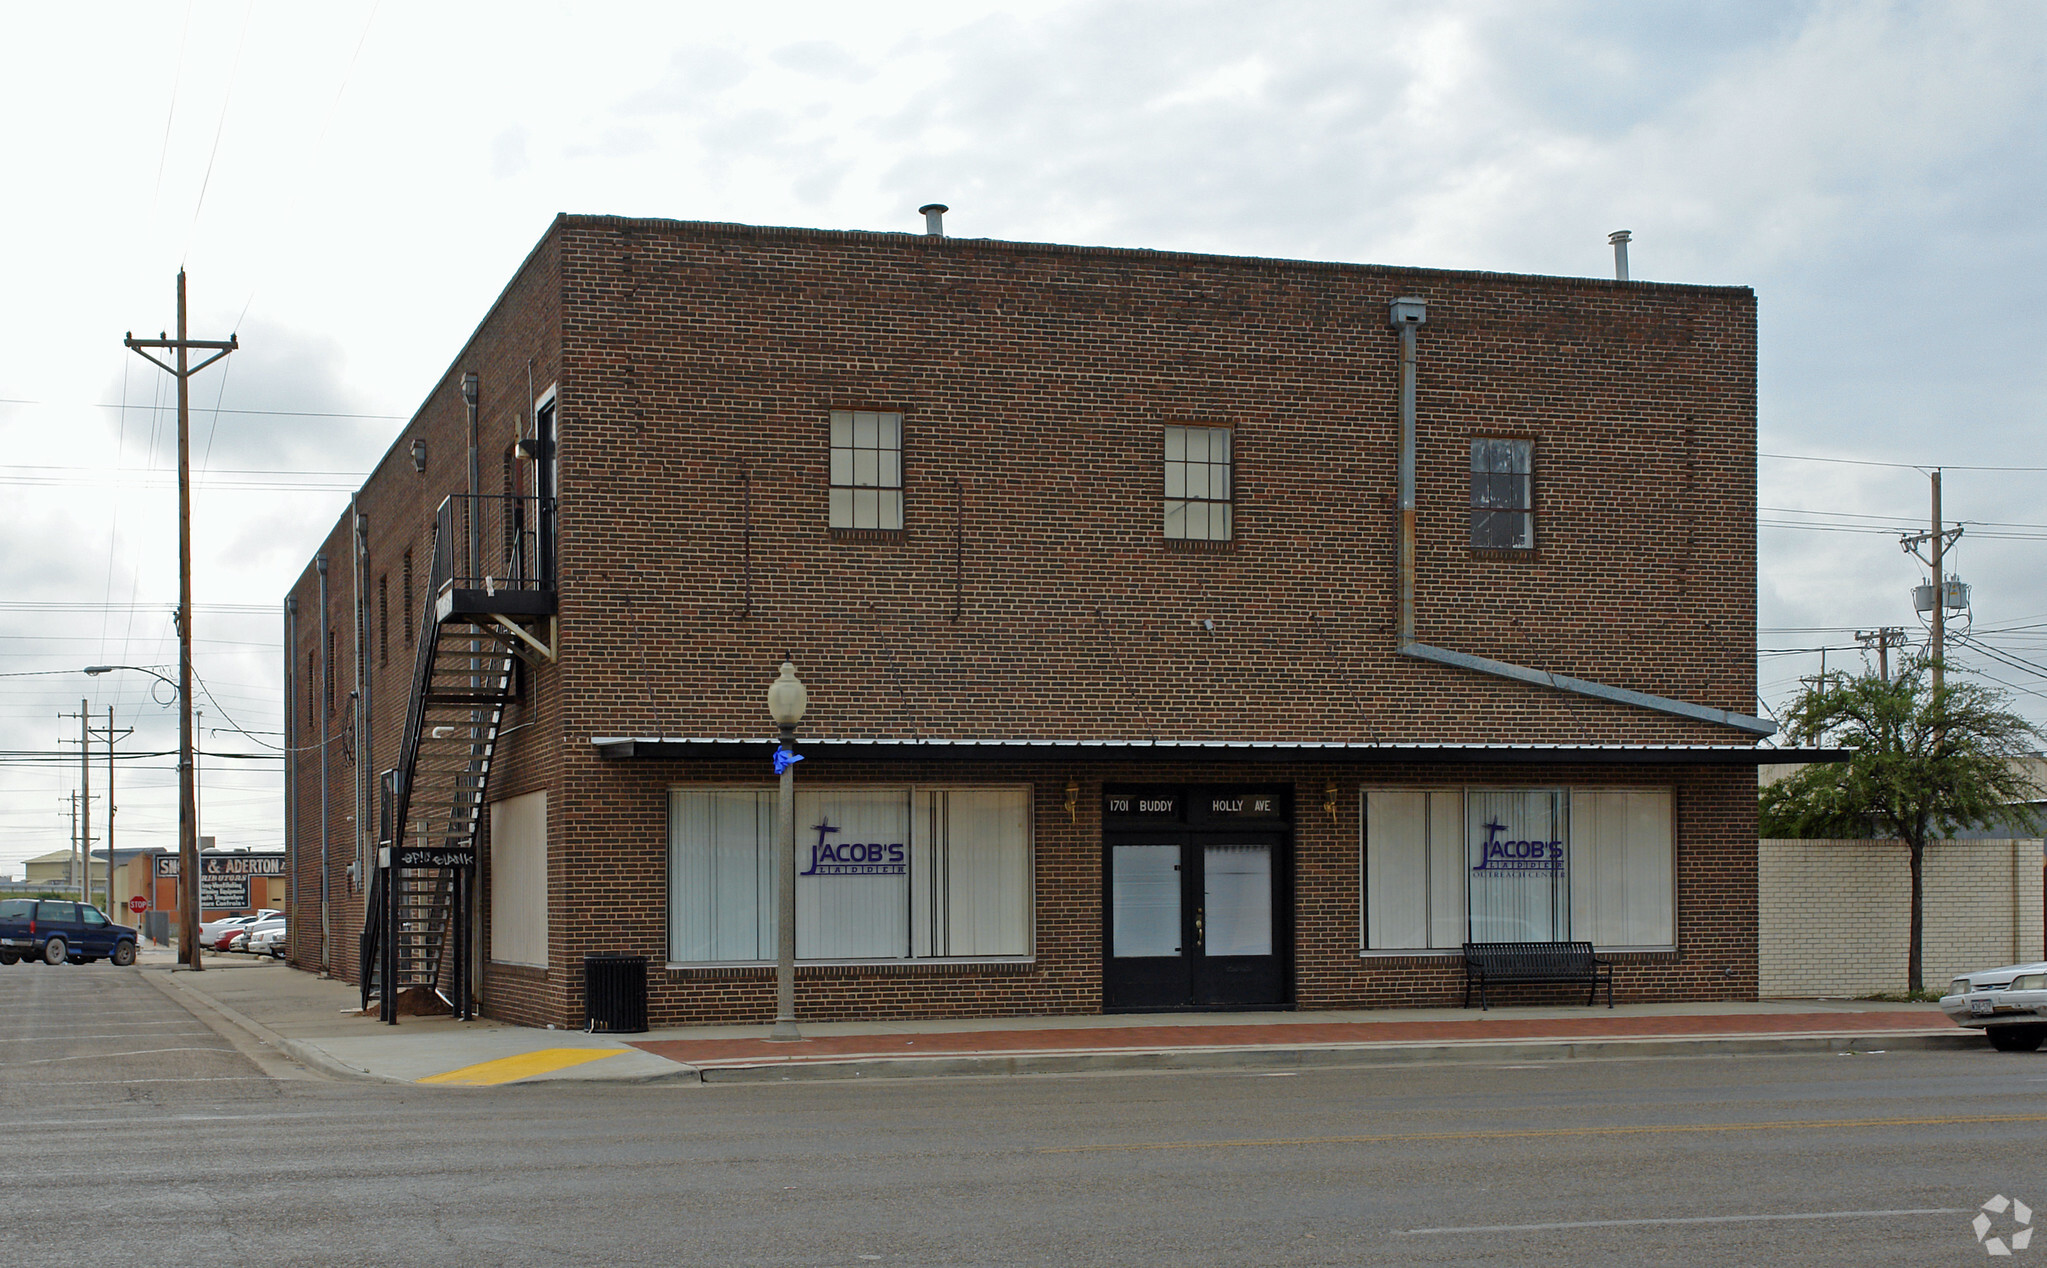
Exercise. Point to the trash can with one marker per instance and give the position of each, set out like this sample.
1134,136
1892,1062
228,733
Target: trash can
615,994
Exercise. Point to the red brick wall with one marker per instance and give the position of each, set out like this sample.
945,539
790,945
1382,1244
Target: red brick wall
520,335
625,805
1034,380
1031,594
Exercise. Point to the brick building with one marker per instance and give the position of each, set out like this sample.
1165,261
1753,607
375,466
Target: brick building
1123,690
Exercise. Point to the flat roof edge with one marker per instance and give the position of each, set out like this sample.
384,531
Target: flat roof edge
730,229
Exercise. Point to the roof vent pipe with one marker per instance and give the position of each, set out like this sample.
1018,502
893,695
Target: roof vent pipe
1619,238
934,219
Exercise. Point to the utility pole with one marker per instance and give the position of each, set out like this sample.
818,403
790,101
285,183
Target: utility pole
85,801
1937,541
74,839
111,735
188,814
1885,639
1939,592
84,837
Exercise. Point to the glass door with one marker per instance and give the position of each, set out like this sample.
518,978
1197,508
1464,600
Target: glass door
1194,922
1235,929
1148,958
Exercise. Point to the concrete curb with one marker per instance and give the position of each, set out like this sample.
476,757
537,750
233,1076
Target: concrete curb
312,1056
1468,1052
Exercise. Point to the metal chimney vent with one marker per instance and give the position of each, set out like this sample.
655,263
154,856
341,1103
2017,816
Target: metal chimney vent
934,218
1619,238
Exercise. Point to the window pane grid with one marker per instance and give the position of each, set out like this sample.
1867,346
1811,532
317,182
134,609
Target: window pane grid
1198,484
866,470
1502,493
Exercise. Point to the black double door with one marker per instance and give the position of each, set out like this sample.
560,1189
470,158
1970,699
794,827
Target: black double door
1198,883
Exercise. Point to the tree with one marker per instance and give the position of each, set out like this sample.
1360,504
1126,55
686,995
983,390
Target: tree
1926,762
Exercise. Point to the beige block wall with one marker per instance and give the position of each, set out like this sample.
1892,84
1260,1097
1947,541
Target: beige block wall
1834,917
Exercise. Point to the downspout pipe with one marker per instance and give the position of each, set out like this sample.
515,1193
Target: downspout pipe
469,396
358,568
292,688
322,703
1407,315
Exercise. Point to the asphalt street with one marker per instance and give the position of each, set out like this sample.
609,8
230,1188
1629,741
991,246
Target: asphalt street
140,1133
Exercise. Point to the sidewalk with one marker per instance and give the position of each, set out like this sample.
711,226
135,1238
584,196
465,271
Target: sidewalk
315,1023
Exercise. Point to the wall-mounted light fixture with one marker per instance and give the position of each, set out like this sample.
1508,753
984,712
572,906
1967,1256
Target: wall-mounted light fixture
1329,800
1072,801
419,454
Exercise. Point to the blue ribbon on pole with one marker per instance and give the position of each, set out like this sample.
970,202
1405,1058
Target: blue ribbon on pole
784,759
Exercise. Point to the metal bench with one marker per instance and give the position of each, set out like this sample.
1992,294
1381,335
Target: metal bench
1498,963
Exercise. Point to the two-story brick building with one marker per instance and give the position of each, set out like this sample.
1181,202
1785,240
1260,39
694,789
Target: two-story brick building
1179,630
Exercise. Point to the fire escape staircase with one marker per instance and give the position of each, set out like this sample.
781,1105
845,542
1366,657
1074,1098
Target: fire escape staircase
479,622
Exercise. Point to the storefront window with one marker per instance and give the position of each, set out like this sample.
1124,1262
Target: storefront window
1444,866
884,873
1514,846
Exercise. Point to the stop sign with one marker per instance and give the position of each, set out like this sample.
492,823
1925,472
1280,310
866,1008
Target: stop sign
138,904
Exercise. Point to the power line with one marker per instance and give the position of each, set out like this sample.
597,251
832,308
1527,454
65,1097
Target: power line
60,605
219,128
1902,466
170,116
161,408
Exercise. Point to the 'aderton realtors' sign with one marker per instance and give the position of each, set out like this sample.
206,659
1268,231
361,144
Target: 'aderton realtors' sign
242,865
855,858
1496,855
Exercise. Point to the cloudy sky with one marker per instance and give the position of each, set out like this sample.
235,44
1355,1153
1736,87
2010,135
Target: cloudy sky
350,184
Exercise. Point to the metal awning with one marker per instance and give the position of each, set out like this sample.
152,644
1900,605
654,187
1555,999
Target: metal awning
622,748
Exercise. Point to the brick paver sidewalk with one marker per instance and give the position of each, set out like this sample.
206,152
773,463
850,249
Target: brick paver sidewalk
1141,1038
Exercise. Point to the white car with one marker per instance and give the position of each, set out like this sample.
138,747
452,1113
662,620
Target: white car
246,939
2009,1004
266,940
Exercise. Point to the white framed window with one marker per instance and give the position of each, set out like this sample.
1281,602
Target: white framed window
1502,494
1623,867
1414,869
1442,866
883,873
866,469
1199,484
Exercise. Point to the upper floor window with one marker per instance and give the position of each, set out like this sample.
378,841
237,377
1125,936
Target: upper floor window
1198,484
1502,494
867,469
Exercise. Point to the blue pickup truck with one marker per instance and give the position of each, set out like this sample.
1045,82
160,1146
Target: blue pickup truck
55,932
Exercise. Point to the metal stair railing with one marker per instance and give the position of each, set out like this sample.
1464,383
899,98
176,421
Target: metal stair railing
462,677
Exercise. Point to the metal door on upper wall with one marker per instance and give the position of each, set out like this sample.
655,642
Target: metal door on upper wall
1199,885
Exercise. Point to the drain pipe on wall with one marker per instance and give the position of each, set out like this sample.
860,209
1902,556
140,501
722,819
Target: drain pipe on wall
358,567
321,704
291,755
1407,315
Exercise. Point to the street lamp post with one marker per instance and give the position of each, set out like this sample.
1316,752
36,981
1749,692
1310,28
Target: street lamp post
786,702
188,836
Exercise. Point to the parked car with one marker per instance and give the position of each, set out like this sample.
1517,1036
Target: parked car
216,934
55,932
267,939
2009,1005
224,939
244,939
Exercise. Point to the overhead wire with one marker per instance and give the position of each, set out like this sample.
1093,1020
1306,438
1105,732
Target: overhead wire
170,116
268,413
226,98
1903,466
